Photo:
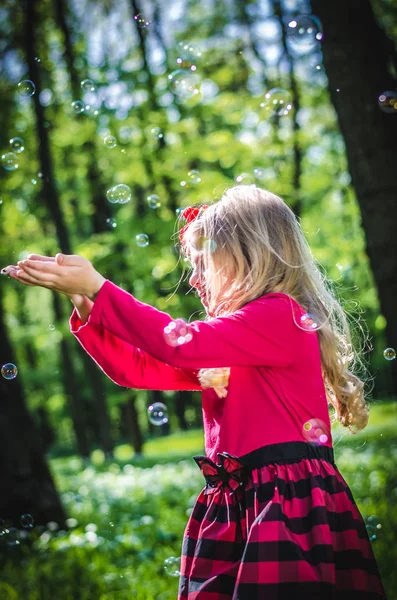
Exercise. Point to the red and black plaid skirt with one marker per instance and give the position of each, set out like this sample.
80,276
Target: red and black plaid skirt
279,523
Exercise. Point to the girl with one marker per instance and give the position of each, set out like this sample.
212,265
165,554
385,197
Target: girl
276,519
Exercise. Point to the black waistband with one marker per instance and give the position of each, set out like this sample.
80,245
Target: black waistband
288,452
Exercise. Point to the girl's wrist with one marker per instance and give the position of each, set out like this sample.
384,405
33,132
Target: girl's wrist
96,287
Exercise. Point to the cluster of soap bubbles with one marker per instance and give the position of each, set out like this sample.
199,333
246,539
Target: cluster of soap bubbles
27,521
178,333
158,413
9,160
172,566
387,101
184,81
315,431
308,322
277,102
193,178
9,371
373,527
119,194
78,106
389,354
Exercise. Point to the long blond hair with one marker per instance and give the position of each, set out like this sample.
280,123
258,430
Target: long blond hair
251,240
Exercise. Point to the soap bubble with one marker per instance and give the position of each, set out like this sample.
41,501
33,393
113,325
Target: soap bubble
78,107
157,413
178,333
87,85
142,240
245,178
153,201
112,223
389,354
184,84
194,176
13,537
27,521
205,244
17,144
51,327
141,22
172,566
304,32
373,527
277,102
157,132
26,88
110,141
308,322
315,431
9,371
119,194
259,173
9,160
387,101
188,55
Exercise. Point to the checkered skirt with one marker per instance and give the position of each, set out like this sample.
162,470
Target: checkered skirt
279,523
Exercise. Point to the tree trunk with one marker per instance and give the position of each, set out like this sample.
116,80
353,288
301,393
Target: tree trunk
131,425
356,62
26,483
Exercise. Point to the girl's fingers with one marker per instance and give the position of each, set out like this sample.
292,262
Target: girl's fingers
34,267
23,281
40,257
38,275
7,270
23,277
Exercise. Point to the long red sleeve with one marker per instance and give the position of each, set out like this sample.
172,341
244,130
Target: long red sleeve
260,333
127,365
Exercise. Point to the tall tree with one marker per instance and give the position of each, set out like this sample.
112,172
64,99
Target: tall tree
357,61
26,483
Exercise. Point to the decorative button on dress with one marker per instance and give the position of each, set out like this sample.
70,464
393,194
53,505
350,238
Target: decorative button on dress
276,519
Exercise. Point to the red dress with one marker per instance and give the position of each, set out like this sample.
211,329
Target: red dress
276,519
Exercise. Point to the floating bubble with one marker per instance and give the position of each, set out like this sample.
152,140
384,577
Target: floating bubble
153,201
184,84
259,173
157,132
141,21
188,55
315,431
194,176
387,101
172,566
178,333
87,85
110,141
119,194
308,322
9,160
9,371
37,59
389,354
204,243
17,144
157,413
26,88
51,327
142,240
13,536
245,178
277,102
78,107
304,32
27,521
112,223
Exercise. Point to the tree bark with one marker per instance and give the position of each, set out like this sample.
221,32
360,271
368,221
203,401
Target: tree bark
26,483
356,62
131,425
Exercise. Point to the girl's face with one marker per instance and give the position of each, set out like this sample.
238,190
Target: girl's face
197,278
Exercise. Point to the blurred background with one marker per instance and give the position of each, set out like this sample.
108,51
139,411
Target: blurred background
114,116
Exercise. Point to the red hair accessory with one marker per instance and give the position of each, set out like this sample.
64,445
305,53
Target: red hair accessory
190,214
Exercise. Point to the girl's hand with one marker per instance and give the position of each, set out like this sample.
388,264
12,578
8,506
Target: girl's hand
67,274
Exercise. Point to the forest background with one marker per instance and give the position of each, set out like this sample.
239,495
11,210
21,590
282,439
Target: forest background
88,484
